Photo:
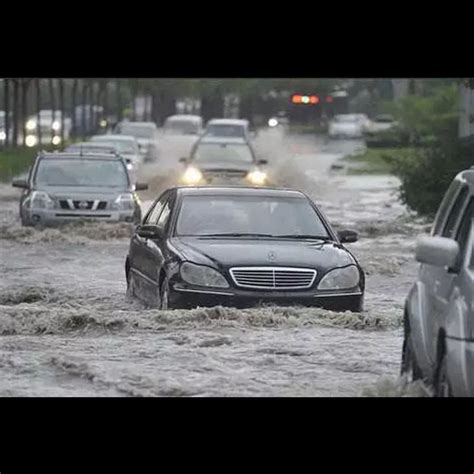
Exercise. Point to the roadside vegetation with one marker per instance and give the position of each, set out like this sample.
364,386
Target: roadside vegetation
15,162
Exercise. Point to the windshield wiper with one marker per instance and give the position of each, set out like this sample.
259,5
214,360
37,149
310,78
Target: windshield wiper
305,236
237,234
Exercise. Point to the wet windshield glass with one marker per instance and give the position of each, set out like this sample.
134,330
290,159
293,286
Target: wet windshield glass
274,216
121,146
81,172
137,131
181,127
225,131
222,152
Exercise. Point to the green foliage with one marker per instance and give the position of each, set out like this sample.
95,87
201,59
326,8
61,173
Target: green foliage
15,162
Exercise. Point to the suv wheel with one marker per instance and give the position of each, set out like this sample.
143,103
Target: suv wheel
442,387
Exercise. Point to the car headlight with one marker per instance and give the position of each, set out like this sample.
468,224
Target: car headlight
56,125
192,175
31,140
257,177
56,140
201,275
31,124
340,279
41,200
3,135
273,122
124,202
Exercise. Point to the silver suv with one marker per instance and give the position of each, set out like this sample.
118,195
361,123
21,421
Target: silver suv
439,312
67,187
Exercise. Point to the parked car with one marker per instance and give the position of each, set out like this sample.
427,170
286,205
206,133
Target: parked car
47,128
229,128
345,126
377,131
68,187
241,246
217,160
126,145
439,312
146,134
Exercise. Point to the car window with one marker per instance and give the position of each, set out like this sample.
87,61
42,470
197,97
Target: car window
206,152
450,226
154,214
463,232
163,219
444,208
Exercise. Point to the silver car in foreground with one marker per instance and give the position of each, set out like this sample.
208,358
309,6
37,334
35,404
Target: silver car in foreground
439,313
68,187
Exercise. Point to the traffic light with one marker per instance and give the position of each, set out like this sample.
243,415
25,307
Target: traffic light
304,99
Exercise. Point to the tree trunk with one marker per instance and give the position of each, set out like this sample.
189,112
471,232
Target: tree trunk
134,101
24,107
38,108
119,101
61,107
6,106
15,113
73,107
83,110
91,108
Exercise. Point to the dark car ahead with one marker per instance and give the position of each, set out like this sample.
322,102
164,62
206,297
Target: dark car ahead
218,160
240,246
67,187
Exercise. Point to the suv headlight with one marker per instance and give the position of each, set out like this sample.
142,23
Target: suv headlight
192,175
340,279
31,124
41,200
201,275
257,177
56,125
124,202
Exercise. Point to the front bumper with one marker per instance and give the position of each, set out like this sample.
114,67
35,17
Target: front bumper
460,366
185,296
51,217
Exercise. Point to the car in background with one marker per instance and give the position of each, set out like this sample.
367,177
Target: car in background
180,132
438,342
241,247
377,131
3,134
345,126
219,160
229,128
68,187
89,119
146,134
126,145
47,129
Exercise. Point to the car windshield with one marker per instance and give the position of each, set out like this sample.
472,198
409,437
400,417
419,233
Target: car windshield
346,118
206,152
81,172
137,131
181,127
225,130
122,146
254,215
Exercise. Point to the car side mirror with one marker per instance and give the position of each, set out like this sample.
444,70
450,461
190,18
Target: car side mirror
20,183
262,162
437,251
347,236
150,232
141,186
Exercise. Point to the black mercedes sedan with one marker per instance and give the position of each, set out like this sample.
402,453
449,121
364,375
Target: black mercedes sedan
241,246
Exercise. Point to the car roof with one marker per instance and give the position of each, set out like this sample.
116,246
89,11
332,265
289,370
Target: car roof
238,191
139,124
71,155
113,138
228,122
467,177
222,140
193,118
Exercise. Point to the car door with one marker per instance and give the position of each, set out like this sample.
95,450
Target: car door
439,281
138,247
154,248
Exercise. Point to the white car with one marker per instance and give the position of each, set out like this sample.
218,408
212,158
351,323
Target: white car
48,130
229,128
380,123
146,134
126,145
180,133
345,126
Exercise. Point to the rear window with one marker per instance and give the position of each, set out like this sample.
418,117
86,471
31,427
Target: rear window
225,131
